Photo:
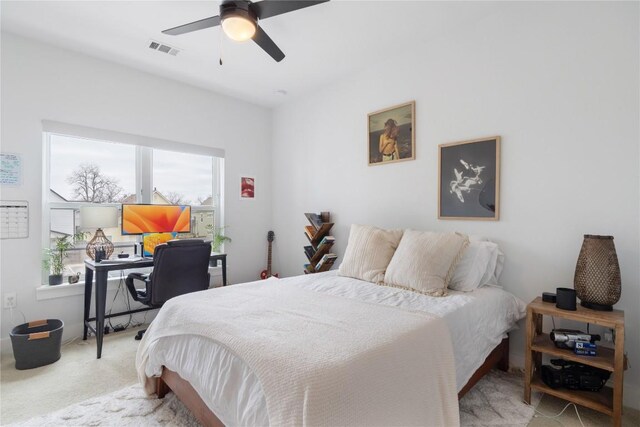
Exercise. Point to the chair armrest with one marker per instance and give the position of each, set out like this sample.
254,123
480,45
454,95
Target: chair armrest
132,288
138,276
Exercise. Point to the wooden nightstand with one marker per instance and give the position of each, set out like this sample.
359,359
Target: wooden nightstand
607,400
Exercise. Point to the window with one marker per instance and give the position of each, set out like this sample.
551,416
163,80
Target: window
186,179
91,171
84,171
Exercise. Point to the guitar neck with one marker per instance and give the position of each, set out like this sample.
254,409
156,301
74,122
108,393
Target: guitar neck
269,261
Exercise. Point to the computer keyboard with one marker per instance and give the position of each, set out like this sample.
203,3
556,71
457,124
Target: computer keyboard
122,260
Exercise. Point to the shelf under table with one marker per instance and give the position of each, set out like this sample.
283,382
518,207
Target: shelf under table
604,359
601,401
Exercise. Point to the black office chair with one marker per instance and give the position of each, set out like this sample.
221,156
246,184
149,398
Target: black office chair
179,267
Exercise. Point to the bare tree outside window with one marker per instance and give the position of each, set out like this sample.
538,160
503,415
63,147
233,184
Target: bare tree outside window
176,198
89,184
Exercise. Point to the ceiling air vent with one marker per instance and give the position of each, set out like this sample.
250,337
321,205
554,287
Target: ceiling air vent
163,48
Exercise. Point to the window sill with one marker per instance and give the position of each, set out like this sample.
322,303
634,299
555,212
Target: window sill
46,292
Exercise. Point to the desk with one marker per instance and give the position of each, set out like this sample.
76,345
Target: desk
101,272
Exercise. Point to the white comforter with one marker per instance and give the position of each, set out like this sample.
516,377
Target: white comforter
477,322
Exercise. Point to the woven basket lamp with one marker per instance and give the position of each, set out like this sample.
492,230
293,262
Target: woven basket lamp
597,280
97,218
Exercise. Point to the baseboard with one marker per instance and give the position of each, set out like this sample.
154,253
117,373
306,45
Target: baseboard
516,360
631,397
70,331
5,347
73,331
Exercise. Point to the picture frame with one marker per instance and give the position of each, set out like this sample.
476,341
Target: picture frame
469,179
247,187
392,134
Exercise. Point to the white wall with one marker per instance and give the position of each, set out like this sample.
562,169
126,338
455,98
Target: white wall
43,82
558,82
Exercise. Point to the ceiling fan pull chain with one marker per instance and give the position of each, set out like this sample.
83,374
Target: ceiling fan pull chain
221,37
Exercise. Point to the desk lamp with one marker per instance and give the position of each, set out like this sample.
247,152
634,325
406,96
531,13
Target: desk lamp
98,217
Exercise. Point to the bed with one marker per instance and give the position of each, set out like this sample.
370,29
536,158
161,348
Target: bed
221,389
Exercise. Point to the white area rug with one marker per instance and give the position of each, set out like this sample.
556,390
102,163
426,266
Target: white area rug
495,401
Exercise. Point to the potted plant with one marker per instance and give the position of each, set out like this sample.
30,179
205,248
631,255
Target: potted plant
218,238
53,260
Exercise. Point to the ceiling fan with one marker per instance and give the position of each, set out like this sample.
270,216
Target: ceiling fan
239,20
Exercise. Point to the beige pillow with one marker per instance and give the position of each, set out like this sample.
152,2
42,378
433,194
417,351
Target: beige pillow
425,261
368,252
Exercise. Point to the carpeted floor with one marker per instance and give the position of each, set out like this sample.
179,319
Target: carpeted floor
77,376
494,401
33,396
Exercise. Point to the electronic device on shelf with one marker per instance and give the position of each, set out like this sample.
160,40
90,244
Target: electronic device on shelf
573,375
140,218
567,338
549,297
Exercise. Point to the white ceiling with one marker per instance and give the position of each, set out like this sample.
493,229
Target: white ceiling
322,43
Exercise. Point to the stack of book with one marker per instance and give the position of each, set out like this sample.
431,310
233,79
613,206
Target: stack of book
314,219
320,243
309,251
585,348
326,262
309,231
327,240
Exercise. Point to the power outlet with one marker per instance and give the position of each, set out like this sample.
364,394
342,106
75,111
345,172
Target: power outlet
10,300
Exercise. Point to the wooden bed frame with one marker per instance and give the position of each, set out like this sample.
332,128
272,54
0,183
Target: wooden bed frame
171,381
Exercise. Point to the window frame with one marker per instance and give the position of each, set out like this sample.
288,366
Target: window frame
144,170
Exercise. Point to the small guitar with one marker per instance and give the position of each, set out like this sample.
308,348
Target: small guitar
267,273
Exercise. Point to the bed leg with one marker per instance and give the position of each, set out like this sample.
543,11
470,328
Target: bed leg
503,363
161,388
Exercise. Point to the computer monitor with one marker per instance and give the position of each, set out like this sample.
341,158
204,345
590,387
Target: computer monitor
140,219
151,240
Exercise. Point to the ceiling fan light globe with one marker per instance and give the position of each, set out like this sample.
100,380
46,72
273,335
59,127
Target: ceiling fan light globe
238,28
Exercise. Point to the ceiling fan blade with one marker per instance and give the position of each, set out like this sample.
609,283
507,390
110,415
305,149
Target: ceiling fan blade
194,26
268,8
265,42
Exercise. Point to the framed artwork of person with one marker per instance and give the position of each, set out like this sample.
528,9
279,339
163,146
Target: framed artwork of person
392,134
469,179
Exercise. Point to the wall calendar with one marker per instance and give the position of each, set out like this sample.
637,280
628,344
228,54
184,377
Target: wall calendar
14,219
